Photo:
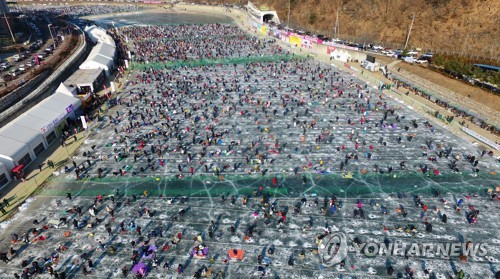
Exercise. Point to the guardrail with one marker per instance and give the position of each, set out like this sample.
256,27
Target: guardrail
40,89
481,138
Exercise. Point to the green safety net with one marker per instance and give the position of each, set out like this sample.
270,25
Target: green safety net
327,184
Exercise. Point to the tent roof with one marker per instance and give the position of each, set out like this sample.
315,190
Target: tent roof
96,62
66,89
100,59
105,50
21,134
83,76
30,122
47,111
11,148
42,113
59,102
97,34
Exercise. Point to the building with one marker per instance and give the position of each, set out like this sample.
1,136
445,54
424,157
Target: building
103,53
27,136
101,57
4,175
86,81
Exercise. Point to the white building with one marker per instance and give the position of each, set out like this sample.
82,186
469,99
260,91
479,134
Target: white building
98,35
27,136
33,139
103,53
14,153
4,175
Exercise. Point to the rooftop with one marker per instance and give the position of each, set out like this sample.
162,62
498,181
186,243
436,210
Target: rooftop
83,76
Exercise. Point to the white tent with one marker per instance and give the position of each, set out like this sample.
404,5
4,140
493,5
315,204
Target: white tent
14,153
105,50
341,55
36,124
62,103
96,60
98,35
45,116
4,175
33,139
65,89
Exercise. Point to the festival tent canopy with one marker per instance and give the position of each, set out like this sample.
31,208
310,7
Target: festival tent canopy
13,153
33,139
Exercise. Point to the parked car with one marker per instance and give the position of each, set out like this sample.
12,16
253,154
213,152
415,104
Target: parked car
18,57
423,60
15,72
22,68
408,59
377,47
389,53
4,66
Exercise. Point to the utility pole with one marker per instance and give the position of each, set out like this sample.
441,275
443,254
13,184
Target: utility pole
10,30
409,31
289,7
337,26
50,30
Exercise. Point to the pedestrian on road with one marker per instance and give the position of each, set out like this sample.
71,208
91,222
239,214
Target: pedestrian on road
40,167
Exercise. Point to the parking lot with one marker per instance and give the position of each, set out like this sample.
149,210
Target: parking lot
34,46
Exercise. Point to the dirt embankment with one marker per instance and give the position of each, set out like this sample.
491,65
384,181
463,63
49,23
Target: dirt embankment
460,26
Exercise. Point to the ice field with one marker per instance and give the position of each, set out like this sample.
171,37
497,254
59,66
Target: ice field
184,145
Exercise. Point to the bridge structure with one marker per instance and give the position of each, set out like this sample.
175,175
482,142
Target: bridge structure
263,16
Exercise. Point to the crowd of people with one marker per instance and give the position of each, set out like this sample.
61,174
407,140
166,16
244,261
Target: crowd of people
153,44
142,236
288,117
75,10
444,104
262,118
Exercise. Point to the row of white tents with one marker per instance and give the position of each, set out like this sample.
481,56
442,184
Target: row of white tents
26,137
103,53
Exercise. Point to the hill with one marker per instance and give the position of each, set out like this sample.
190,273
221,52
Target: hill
467,27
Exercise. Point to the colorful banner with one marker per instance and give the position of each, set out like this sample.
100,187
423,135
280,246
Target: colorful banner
84,122
306,43
263,29
276,33
295,41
